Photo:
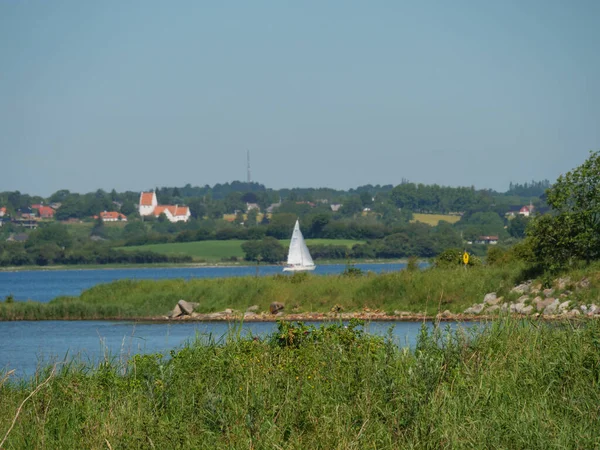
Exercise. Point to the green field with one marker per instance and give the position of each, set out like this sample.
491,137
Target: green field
217,250
434,219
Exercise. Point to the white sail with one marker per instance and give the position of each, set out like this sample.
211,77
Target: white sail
298,256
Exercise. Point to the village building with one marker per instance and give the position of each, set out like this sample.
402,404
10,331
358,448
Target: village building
2,211
488,240
149,207
44,212
112,216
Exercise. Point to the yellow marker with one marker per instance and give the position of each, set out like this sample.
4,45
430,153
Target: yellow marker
466,258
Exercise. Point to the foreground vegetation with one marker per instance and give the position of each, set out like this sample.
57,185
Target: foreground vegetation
509,384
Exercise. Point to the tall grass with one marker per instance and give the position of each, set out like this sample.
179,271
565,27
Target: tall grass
511,384
413,291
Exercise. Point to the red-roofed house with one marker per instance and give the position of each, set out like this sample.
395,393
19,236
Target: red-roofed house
526,211
112,216
2,211
149,207
45,212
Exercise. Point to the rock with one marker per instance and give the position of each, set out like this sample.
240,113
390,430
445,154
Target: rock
228,311
540,304
583,284
214,316
561,283
493,309
447,314
475,309
187,307
520,308
176,312
504,307
574,312
249,314
521,288
253,308
594,309
583,308
523,299
276,307
552,307
490,299
564,306
526,310
548,292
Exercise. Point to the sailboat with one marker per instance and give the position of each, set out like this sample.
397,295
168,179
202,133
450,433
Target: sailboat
299,258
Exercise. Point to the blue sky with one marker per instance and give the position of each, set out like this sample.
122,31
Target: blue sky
136,94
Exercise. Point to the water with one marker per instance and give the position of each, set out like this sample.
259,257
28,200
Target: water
25,346
43,286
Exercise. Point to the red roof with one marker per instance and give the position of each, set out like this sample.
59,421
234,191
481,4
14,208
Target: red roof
45,211
175,210
146,199
3,209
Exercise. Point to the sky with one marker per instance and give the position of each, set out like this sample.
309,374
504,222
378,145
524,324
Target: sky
136,94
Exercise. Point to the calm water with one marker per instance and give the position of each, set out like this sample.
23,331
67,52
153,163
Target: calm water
26,345
43,286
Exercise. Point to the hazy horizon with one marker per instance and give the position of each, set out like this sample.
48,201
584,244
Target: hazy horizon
134,95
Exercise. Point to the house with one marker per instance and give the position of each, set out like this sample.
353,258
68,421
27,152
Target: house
491,240
251,206
2,211
112,216
26,213
273,206
45,212
335,207
174,213
18,237
149,207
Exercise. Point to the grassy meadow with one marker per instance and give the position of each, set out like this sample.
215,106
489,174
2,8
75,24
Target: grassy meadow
413,291
434,219
216,251
511,384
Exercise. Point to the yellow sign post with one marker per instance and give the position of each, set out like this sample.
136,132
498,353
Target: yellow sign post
465,258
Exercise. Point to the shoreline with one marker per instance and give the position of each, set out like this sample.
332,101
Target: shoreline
198,265
318,317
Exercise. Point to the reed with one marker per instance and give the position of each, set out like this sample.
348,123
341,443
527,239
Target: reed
508,384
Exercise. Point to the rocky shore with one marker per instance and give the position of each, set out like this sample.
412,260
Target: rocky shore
525,300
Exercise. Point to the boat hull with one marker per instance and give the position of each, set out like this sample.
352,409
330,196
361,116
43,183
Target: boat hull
299,268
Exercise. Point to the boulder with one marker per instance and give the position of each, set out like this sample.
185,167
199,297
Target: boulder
490,299
540,304
187,307
594,309
475,309
521,288
253,308
249,314
552,307
564,306
493,309
523,299
228,311
583,308
574,312
526,310
548,292
176,312
447,314
276,307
